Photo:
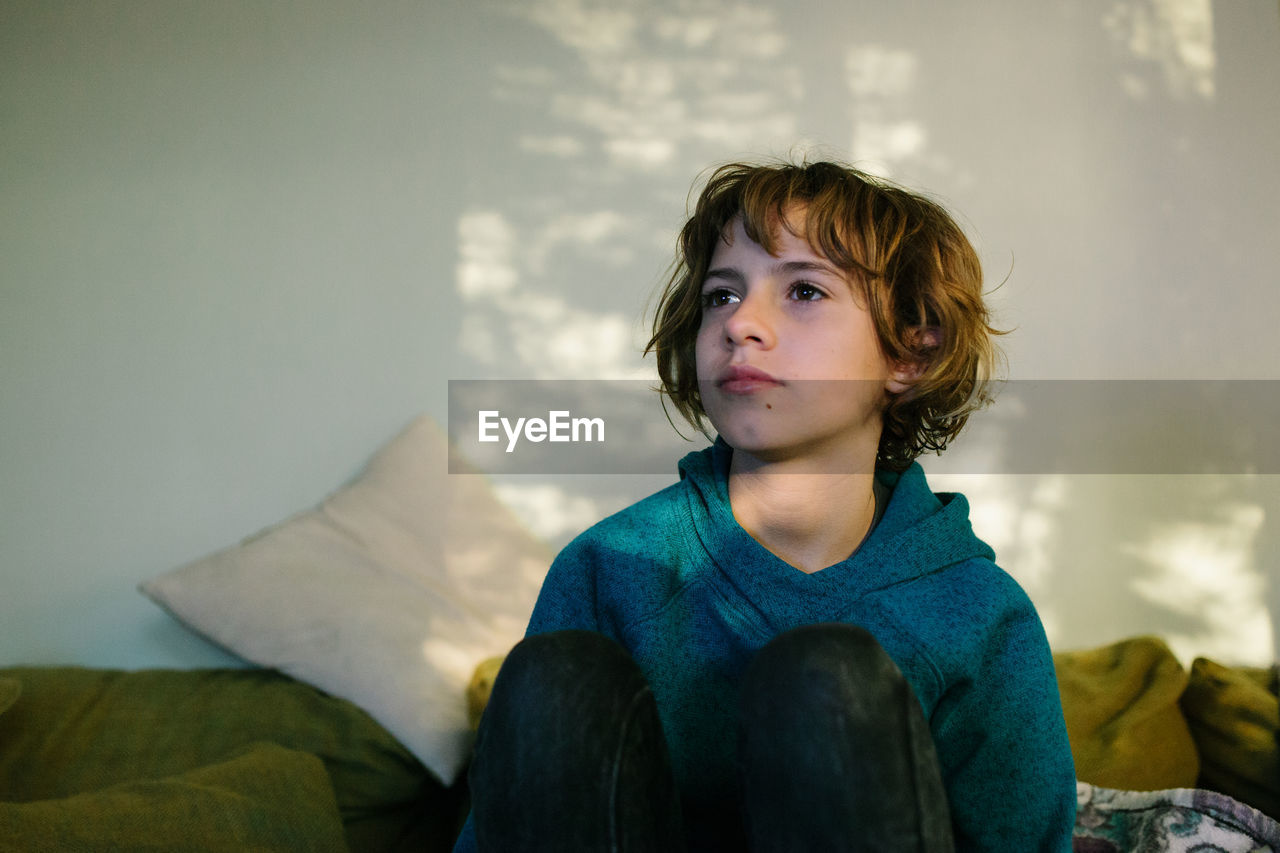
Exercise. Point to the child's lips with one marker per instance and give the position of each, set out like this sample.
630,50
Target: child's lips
742,379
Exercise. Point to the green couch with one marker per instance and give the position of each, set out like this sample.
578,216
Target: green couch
249,759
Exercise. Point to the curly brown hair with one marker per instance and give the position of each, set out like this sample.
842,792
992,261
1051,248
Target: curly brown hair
918,273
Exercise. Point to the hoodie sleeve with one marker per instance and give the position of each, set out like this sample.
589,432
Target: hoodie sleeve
1003,746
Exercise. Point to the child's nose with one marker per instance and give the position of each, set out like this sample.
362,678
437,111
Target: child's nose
749,322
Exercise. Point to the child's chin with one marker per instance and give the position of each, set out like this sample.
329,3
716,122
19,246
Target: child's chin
771,447
763,448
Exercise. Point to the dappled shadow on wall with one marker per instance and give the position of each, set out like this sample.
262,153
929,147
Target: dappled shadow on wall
1132,507
604,122
1171,44
1118,517
1109,556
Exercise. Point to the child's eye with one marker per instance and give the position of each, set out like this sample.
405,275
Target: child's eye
803,291
717,297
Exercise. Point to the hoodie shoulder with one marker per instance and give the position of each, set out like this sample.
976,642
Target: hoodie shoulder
629,564
649,531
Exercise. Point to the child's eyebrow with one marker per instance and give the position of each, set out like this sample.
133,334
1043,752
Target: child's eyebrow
727,273
735,275
806,266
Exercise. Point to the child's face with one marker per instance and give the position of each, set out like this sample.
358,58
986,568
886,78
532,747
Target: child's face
788,360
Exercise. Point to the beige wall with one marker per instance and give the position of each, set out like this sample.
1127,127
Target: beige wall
242,244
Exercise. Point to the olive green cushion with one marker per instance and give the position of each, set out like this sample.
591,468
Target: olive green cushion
10,688
69,731
1234,714
267,798
1121,707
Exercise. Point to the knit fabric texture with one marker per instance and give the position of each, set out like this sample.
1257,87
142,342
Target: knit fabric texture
683,587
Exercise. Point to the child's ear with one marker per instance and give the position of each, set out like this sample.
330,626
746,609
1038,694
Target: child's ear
923,340
903,375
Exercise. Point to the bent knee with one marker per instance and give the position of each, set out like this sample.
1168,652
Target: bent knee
569,660
832,660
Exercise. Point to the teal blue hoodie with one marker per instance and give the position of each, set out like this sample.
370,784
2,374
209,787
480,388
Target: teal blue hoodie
692,596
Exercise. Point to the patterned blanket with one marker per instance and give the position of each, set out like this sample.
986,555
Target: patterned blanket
1174,821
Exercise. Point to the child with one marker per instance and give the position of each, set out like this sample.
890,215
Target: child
798,646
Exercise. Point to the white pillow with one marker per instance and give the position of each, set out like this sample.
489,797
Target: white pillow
388,594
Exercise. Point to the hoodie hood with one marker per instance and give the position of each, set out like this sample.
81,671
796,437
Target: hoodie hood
918,534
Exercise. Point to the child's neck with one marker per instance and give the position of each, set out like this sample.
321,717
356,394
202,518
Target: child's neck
809,520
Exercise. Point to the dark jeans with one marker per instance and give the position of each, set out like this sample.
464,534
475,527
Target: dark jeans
834,752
